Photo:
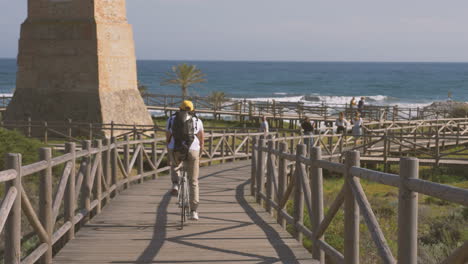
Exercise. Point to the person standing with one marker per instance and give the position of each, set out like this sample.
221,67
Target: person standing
341,124
357,126
361,105
185,142
264,127
353,103
308,128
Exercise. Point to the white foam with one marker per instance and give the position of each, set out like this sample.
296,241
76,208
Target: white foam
315,99
6,95
270,99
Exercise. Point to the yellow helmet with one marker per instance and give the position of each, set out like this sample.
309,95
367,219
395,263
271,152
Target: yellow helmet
187,106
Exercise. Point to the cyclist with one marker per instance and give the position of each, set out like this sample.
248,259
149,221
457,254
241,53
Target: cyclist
185,142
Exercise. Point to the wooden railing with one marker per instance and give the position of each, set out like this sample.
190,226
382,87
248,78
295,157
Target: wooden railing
275,109
278,175
241,108
90,175
87,178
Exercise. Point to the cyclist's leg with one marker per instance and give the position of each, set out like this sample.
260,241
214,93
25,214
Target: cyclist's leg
193,168
176,165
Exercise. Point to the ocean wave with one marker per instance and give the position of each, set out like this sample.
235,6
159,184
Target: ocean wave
315,99
270,99
6,95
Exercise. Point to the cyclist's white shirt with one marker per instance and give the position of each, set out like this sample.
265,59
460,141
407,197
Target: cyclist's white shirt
198,126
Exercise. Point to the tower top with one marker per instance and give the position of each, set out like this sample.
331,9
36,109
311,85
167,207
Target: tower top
99,10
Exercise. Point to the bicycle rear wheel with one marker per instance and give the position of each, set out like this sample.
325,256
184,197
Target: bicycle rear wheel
182,205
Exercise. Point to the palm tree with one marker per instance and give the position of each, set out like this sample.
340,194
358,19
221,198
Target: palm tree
217,99
184,75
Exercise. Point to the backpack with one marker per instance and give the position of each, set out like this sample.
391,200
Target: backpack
183,131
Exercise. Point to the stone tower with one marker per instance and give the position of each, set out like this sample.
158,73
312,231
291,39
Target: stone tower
77,60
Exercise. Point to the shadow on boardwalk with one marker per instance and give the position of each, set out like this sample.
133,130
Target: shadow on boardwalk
230,229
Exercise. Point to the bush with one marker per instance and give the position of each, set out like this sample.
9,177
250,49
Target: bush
14,142
459,111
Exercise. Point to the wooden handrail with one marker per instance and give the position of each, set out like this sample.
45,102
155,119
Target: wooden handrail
95,182
352,195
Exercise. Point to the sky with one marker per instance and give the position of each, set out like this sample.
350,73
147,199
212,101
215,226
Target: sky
279,30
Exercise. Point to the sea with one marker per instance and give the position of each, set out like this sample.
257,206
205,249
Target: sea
382,83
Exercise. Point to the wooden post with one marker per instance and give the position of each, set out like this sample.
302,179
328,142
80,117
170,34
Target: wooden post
234,145
90,131
112,129
126,159
385,150
210,148
299,193
351,218
98,177
316,187
106,161
28,133
70,202
222,146
269,176
260,170
140,160
247,146
69,128
408,213
253,171
45,202
282,179
85,187
154,154
46,136
437,147
113,164
13,222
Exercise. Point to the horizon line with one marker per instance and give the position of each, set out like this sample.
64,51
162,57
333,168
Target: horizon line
284,61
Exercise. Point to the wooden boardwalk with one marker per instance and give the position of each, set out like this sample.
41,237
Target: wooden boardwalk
142,226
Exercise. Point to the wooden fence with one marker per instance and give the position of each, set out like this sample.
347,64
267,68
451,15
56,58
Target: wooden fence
88,178
254,109
251,109
277,175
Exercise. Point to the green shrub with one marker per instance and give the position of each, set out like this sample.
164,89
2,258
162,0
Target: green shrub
459,111
14,142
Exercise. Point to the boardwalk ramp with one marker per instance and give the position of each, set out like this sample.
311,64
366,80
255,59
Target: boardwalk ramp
142,226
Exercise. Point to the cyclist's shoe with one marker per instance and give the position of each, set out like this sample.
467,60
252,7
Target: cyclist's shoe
175,189
194,216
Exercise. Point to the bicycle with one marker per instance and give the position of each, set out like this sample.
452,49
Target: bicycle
183,199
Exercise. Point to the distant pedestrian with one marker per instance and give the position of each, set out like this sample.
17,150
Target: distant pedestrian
357,126
361,105
341,124
353,103
264,127
308,127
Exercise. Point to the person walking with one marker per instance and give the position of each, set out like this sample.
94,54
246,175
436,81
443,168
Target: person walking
341,124
308,128
185,143
357,126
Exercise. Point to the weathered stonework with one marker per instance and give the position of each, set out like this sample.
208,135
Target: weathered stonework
77,60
